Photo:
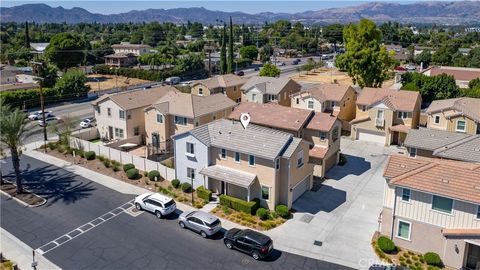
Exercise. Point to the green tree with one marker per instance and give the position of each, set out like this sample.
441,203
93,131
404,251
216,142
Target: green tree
13,127
424,57
443,56
474,58
249,52
193,62
333,33
66,50
269,70
27,36
230,49
223,52
47,73
64,129
365,60
72,84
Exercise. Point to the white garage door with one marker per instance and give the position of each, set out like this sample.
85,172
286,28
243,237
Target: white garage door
371,136
300,188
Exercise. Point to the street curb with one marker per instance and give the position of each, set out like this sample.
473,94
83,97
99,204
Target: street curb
22,202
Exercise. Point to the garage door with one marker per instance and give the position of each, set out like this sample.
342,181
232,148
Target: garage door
371,136
300,188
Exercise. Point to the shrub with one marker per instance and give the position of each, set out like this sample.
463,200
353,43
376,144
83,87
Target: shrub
62,148
432,258
240,205
168,163
101,158
154,175
273,215
132,173
262,213
89,155
115,167
186,187
175,183
343,160
385,244
128,166
107,163
282,210
52,145
145,174
204,193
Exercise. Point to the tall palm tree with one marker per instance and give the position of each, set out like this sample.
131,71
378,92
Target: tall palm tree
13,131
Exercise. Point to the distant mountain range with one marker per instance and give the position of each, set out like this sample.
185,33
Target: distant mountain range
422,12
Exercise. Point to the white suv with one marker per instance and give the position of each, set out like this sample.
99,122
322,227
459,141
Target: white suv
156,203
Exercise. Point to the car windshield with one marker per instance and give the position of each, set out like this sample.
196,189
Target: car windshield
169,203
213,224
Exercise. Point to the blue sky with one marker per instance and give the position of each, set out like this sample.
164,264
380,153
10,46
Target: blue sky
248,6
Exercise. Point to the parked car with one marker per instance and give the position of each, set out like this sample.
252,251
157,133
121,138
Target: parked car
295,62
173,80
201,222
256,69
240,73
38,115
282,64
88,122
251,242
156,203
49,120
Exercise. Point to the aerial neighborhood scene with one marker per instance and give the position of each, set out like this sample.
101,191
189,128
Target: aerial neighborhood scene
240,135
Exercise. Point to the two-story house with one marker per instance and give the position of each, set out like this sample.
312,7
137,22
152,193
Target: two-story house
177,112
456,115
385,116
268,89
135,49
433,205
247,163
120,116
321,130
228,84
330,98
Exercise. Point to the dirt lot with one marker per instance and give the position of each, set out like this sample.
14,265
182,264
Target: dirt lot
104,82
324,75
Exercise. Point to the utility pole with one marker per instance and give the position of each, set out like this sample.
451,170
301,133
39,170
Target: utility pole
39,70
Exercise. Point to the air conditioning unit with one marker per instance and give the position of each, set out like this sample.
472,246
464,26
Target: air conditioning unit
379,122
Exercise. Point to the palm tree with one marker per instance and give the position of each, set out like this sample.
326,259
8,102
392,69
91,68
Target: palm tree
13,131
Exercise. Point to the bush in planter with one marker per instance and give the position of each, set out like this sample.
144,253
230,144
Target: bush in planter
385,244
262,213
101,158
154,175
282,210
175,183
204,193
115,167
89,155
128,166
132,173
107,163
432,258
239,204
186,187
52,145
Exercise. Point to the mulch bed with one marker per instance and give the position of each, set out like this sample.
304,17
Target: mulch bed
26,197
251,221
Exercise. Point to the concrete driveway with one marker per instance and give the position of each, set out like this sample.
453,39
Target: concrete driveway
336,222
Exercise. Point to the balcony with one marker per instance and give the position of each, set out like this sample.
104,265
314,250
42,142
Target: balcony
379,122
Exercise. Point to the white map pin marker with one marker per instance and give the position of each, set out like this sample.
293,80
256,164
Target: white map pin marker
245,120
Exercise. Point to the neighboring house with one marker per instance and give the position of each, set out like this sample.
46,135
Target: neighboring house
178,112
433,205
385,116
247,163
8,76
136,49
330,98
456,115
121,59
426,142
321,130
228,84
398,52
268,89
120,116
462,75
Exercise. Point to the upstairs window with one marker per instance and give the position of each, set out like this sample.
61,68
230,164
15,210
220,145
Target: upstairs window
180,120
200,91
364,108
310,104
237,157
190,148
461,126
223,153
109,112
405,194
297,100
442,204
335,133
277,163
251,160
159,118
323,136
402,115
412,152
300,159
121,114
437,119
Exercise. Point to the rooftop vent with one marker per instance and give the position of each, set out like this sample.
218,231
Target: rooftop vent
402,166
445,181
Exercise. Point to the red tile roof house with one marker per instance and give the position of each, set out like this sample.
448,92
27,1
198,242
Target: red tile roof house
462,75
433,205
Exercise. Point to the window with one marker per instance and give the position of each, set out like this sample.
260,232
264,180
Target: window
333,104
364,108
277,163
223,153
254,97
196,123
335,134
97,108
403,230
121,114
300,159
200,91
402,115
265,193
310,104
180,120
405,194
129,115
412,152
159,118
380,114
214,117
323,136
234,88
437,119
190,173
109,112
478,212
461,125
190,148
297,100
237,157
442,204
136,131
251,160
118,133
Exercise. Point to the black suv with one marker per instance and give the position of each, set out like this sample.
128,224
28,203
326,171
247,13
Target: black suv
258,245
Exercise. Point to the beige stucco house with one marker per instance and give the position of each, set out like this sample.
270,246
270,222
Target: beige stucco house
385,116
433,205
269,90
456,115
178,112
228,84
330,98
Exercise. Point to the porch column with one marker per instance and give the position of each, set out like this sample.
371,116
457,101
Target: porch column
248,193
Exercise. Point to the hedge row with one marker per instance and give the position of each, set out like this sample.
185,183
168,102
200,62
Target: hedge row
240,205
204,193
29,97
149,75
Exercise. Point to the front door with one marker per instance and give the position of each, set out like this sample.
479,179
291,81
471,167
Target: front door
473,257
110,132
155,140
395,138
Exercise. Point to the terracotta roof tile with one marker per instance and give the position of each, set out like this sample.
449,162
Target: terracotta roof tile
138,98
226,80
326,92
318,152
397,100
322,121
461,232
464,106
461,74
400,128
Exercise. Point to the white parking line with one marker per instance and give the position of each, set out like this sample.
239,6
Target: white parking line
89,225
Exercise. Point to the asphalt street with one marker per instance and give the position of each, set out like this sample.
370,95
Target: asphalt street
123,241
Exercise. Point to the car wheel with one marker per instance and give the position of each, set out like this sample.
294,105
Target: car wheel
255,255
158,214
181,224
138,206
229,244
203,234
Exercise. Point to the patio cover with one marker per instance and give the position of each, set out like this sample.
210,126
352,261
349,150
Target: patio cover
126,145
228,175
